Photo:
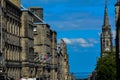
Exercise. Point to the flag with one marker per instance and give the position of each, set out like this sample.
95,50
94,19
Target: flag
47,57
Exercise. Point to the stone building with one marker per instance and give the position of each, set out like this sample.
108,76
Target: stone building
17,40
42,46
11,46
54,66
63,69
118,38
106,35
27,44
45,45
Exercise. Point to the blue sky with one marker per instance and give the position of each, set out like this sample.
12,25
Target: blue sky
79,23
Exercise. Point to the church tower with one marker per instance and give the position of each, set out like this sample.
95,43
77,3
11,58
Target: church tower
117,5
106,35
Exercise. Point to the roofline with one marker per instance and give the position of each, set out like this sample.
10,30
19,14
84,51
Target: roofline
24,9
40,23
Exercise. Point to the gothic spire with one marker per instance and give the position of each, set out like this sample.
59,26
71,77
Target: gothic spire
106,20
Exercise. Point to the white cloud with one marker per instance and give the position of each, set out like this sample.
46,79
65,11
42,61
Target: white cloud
87,45
68,41
92,40
81,42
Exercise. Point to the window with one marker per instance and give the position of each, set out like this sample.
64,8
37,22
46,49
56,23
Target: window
35,28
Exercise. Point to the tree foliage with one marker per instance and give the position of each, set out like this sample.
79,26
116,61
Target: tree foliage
106,67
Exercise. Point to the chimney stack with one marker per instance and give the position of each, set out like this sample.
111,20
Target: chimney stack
38,11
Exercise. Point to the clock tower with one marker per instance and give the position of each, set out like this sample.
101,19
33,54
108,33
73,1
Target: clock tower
106,35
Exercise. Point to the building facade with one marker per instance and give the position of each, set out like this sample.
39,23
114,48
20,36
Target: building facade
54,66
28,46
45,45
43,48
63,69
118,38
11,46
106,35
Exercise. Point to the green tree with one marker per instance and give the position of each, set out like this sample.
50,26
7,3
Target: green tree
106,67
